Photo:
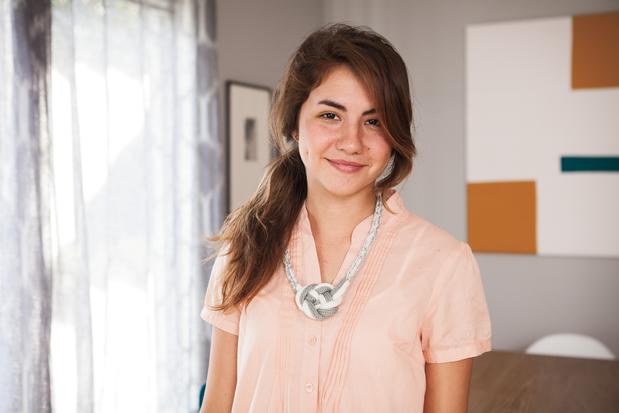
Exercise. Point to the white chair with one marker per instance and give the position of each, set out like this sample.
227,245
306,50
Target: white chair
571,345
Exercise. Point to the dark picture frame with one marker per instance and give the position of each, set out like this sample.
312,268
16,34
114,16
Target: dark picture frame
248,145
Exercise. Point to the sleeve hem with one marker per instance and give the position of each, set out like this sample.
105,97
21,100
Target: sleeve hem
458,353
216,320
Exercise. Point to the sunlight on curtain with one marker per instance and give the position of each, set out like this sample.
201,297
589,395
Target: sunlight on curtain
137,182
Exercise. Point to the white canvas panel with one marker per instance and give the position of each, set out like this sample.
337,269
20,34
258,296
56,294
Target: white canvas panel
513,85
577,215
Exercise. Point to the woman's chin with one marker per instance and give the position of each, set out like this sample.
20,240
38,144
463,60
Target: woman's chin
349,190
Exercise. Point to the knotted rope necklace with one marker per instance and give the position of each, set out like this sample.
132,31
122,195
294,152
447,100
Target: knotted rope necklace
320,301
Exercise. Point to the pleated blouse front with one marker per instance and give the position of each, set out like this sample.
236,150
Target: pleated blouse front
418,298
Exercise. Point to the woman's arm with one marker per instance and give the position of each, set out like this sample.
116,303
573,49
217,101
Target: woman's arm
447,386
221,381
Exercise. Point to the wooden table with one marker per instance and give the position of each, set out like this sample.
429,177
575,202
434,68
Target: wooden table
506,382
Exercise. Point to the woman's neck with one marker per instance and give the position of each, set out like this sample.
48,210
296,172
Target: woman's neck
333,218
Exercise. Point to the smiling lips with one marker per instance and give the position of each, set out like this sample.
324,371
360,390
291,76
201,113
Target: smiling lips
345,166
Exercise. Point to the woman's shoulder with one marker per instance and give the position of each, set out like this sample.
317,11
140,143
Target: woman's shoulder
417,232
422,247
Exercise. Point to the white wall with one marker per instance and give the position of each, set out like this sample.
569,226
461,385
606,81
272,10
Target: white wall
528,296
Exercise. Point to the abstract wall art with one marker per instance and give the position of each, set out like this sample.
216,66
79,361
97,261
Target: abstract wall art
542,136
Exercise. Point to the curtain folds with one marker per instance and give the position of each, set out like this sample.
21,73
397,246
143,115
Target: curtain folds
25,279
104,207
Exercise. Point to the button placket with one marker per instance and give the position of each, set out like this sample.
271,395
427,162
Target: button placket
311,364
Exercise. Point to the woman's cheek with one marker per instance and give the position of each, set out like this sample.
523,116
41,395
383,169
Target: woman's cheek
381,145
326,128
320,137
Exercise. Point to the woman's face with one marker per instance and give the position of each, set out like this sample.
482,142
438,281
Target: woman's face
338,126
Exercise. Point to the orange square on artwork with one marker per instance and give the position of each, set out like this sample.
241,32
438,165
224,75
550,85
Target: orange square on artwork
502,217
595,50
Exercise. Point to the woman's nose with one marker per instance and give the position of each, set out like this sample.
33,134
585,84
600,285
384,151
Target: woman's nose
350,140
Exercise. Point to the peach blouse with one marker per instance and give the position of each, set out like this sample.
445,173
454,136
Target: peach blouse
418,298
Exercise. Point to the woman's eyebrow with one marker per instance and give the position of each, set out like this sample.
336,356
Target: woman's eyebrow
342,107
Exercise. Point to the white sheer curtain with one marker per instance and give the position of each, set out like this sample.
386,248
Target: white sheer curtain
133,183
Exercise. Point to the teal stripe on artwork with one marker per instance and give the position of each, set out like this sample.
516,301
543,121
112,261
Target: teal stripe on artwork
589,163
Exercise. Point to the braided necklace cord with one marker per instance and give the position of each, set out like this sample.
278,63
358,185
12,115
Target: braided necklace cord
320,301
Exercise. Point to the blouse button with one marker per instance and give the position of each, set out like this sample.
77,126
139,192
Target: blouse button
309,387
312,340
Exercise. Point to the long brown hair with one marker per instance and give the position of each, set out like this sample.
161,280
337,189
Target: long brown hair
256,234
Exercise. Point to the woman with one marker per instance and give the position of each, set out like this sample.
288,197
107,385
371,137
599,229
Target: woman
327,294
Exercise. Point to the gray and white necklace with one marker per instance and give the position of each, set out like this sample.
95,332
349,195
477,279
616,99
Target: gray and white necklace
320,301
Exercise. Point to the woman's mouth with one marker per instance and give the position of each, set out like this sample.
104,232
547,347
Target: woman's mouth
345,166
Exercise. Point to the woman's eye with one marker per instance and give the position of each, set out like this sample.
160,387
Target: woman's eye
333,116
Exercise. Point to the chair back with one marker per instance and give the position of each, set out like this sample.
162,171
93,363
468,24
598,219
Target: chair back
571,345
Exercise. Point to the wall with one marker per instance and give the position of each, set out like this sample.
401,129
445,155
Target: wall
255,38
528,296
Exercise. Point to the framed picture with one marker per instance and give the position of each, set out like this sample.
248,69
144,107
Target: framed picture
248,147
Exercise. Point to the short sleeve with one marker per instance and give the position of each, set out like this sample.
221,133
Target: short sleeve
457,323
228,321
